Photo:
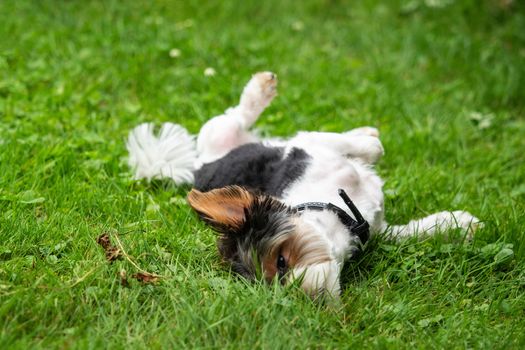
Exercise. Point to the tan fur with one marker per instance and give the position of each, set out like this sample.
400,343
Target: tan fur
279,246
307,247
300,248
223,206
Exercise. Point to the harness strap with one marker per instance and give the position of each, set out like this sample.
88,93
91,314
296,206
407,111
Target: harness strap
358,227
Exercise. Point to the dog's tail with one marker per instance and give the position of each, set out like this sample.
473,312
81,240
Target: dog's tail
170,154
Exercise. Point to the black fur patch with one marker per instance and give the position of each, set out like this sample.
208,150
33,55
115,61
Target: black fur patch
254,166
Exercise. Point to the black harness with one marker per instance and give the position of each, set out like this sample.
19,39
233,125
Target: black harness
358,227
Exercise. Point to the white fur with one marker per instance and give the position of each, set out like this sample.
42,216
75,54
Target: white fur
437,222
171,154
319,278
225,132
339,160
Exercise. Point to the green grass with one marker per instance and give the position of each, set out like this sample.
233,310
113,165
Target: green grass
445,85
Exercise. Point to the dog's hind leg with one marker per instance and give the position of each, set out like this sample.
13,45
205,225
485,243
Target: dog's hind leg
438,222
225,132
255,97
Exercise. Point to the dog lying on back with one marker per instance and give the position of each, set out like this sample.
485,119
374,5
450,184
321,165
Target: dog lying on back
283,208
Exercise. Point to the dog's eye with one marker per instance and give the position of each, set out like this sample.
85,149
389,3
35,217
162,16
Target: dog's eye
281,264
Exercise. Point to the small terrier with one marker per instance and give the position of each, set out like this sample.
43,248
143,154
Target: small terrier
285,210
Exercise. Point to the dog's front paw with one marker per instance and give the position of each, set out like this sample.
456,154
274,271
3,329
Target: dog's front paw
376,149
370,148
364,130
467,222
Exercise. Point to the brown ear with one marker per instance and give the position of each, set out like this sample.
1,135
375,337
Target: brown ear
223,208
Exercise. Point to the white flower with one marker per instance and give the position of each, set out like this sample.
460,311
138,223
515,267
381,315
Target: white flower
298,26
59,90
437,3
209,72
174,53
482,121
185,24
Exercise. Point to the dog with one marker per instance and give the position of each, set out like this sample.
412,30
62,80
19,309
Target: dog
287,211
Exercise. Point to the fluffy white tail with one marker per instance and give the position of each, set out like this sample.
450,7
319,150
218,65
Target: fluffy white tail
171,154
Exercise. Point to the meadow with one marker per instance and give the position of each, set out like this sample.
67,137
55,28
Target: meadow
443,80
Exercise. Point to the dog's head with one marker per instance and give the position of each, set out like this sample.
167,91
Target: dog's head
261,237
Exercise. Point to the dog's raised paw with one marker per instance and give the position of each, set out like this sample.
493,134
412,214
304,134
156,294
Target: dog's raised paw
267,82
259,92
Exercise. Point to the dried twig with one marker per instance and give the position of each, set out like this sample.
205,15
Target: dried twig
115,252
130,260
112,252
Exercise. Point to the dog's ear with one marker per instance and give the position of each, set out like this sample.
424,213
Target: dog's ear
224,208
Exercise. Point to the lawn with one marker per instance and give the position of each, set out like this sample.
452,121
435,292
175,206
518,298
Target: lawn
443,80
